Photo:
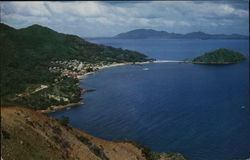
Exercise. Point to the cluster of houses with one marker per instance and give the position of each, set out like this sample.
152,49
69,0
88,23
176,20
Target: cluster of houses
74,68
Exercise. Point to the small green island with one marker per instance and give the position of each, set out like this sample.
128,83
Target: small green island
219,56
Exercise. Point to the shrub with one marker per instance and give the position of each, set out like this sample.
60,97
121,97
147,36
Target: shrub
56,130
89,70
4,134
64,120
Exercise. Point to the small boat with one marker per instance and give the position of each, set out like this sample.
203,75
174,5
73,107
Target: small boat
242,107
145,69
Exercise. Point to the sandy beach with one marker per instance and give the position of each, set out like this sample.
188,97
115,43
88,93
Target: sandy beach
129,63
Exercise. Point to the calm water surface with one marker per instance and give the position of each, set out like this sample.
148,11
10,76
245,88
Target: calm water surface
201,111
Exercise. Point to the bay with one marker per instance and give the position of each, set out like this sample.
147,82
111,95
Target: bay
201,111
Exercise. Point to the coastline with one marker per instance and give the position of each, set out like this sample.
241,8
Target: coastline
219,63
129,63
60,107
82,76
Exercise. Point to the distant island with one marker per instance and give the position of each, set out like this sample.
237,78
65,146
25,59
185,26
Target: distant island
151,34
219,56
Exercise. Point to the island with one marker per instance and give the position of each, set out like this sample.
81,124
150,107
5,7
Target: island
154,34
219,56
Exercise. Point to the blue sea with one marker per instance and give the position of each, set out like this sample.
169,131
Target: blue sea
201,111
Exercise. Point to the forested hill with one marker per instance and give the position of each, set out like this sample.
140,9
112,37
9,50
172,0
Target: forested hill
49,44
219,56
33,58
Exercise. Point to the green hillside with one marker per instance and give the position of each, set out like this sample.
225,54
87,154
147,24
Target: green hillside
28,53
220,56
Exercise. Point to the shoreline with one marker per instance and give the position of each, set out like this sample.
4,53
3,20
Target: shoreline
60,107
130,63
81,77
218,63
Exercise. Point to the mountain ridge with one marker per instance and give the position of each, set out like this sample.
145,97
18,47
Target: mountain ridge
150,33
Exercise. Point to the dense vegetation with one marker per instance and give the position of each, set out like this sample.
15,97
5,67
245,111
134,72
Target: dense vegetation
220,56
64,120
26,55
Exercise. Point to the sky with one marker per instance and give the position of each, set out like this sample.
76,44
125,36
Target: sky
105,19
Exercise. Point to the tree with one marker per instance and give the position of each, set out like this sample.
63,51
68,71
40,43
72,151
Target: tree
89,69
64,120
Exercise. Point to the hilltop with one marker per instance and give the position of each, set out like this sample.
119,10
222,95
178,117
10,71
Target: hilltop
39,66
27,134
150,33
219,56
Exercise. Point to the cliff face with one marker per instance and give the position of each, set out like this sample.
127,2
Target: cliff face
27,134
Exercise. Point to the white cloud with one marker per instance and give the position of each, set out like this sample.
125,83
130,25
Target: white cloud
185,23
102,20
28,8
88,8
27,19
94,17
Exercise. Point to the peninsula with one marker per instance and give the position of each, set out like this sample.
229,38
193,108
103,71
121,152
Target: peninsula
40,67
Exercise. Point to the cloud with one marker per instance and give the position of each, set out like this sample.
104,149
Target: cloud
85,9
92,18
26,8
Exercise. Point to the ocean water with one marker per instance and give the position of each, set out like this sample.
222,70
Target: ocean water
201,111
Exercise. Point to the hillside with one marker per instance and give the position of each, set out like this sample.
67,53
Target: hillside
39,66
150,33
219,56
29,135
